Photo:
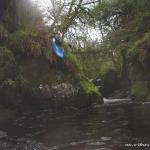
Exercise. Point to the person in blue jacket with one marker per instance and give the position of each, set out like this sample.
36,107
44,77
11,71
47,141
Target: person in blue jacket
58,36
57,52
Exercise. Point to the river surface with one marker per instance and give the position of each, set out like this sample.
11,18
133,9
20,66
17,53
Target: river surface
110,126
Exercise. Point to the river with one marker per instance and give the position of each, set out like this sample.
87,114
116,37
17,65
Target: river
111,126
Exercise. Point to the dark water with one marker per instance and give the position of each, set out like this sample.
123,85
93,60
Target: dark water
106,127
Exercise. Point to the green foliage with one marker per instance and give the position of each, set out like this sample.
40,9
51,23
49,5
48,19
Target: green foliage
20,36
88,87
124,21
106,66
10,73
7,68
140,90
25,42
139,43
9,83
23,34
73,59
6,56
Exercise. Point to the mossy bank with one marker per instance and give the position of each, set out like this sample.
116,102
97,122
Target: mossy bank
139,72
27,76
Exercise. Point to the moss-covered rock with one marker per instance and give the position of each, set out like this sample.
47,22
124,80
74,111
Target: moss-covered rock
139,60
38,82
140,90
88,87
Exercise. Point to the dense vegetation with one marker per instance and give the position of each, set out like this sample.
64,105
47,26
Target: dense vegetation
125,44
129,38
120,53
91,99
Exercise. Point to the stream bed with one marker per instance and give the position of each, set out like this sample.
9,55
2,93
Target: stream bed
115,125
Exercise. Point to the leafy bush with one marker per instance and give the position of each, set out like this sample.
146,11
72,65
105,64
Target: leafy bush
10,73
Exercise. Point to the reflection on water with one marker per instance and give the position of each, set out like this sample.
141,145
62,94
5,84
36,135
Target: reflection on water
107,127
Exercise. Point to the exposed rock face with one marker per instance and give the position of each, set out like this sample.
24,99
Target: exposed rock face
63,95
39,82
62,90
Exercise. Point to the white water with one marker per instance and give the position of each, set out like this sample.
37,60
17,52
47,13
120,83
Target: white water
109,101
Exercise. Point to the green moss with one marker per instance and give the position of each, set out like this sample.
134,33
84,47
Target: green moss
26,43
73,59
21,35
140,90
134,50
24,34
88,87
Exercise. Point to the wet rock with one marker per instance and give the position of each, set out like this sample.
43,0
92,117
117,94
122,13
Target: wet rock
121,93
22,144
97,143
62,95
105,138
61,90
97,81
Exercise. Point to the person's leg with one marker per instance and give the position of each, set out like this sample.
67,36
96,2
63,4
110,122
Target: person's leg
53,59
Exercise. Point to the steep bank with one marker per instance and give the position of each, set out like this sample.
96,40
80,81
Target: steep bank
27,75
139,72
